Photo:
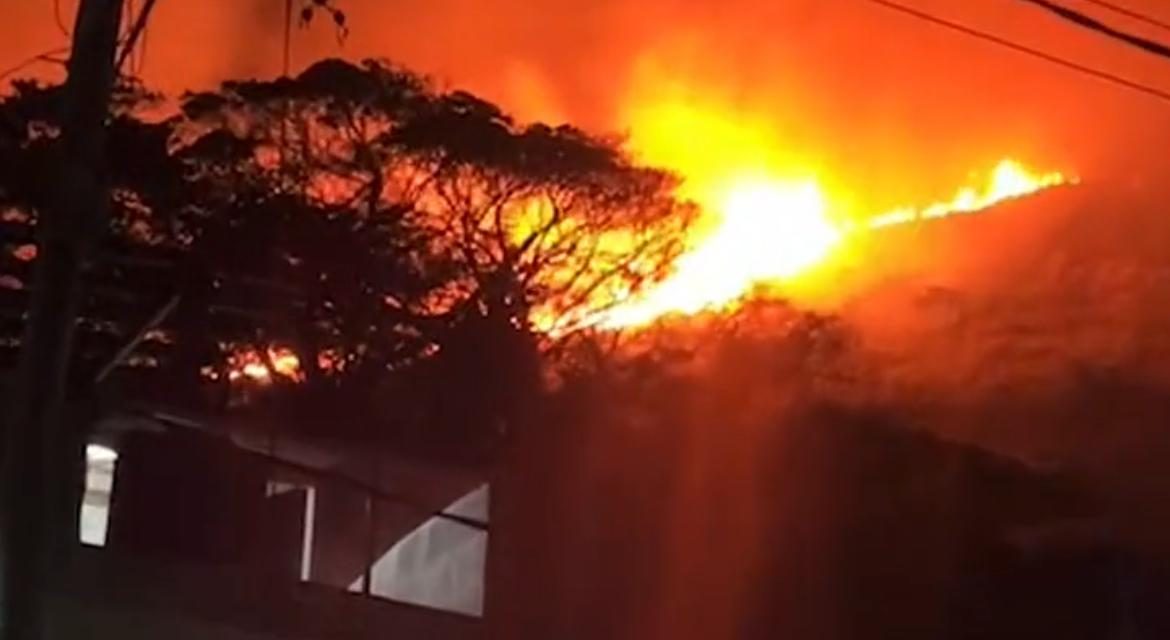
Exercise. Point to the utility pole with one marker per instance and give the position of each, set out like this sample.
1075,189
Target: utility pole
42,454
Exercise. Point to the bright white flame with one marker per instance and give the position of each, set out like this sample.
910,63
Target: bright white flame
1008,180
766,231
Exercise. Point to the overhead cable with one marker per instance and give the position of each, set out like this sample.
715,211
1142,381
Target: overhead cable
1099,74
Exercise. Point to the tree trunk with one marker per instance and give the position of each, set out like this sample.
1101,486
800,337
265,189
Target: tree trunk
42,449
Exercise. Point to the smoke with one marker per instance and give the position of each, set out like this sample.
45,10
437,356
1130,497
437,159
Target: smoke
875,100
877,104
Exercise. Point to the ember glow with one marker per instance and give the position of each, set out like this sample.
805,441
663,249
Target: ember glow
251,365
764,224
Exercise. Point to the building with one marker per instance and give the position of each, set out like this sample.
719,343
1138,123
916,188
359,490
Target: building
202,521
188,529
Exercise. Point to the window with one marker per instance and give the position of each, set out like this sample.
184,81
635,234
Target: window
99,485
309,493
441,563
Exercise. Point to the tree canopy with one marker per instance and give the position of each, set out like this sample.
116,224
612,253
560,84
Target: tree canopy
354,215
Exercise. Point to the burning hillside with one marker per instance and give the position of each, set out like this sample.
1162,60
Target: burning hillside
762,231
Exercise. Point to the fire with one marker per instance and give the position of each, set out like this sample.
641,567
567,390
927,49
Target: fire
252,365
764,224
1008,180
767,231
285,363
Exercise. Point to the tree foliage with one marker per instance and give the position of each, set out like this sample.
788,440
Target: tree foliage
392,234
515,216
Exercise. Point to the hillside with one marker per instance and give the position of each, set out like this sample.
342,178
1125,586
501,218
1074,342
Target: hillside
1041,330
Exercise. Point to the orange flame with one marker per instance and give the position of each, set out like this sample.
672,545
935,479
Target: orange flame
771,232
1008,180
250,365
762,228
767,231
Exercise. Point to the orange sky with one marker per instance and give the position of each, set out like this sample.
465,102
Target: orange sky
877,99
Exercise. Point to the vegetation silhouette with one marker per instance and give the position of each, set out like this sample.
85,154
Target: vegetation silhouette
393,236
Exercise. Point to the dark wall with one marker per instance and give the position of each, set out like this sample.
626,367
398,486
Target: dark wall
134,598
186,497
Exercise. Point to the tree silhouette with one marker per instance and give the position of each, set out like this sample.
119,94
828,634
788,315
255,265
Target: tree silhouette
519,217
400,240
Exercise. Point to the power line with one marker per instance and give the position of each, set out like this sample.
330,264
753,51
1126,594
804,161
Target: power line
1130,13
1020,48
1092,24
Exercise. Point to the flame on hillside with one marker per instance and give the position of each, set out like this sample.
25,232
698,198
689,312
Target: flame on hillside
1008,180
766,233
764,224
